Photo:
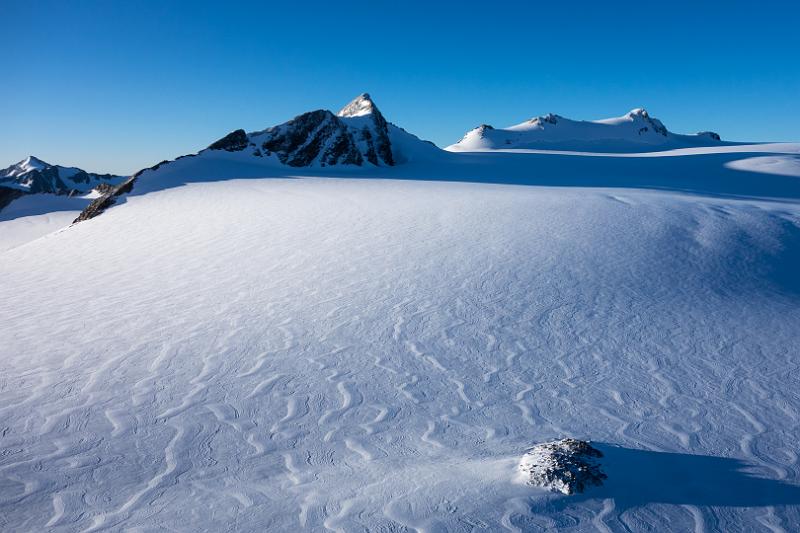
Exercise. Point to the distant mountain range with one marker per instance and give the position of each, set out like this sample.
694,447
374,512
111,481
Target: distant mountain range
357,136
32,176
633,132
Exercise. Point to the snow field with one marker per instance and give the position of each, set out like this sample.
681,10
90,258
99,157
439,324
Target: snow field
336,354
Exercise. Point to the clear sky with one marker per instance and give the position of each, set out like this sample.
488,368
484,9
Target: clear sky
117,85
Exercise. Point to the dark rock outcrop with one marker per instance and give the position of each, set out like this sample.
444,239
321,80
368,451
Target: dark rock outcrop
235,141
568,466
107,200
710,134
103,188
316,136
357,134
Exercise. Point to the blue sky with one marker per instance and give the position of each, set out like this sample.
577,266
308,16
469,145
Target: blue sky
114,86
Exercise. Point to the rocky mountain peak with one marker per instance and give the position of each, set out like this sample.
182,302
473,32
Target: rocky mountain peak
33,162
360,106
32,176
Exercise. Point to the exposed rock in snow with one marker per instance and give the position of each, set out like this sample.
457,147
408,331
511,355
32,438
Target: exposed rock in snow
314,138
568,466
709,134
105,201
357,134
235,141
635,131
641,116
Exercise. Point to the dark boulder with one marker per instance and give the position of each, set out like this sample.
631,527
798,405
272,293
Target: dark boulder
568,466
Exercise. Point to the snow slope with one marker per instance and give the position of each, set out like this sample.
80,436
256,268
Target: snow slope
35,215
636,131
37,198
294,353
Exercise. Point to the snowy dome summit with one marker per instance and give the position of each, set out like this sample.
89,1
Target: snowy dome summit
634,131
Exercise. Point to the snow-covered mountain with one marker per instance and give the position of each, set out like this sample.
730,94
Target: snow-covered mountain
293,341
357,136
37,198
32,176
632,132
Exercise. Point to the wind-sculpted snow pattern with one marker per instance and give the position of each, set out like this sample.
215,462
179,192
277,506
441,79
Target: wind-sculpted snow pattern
365,354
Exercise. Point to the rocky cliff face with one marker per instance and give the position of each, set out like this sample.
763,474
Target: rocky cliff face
357,135
318,137
369,129
105,201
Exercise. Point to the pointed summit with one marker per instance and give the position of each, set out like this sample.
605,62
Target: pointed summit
360,106
33,176
33,163
32,159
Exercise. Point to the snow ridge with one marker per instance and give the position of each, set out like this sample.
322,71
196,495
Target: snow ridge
635,131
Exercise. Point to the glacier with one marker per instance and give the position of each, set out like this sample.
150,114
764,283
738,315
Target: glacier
239,344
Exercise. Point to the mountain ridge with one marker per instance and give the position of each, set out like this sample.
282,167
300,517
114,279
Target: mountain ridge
359,136
33,176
